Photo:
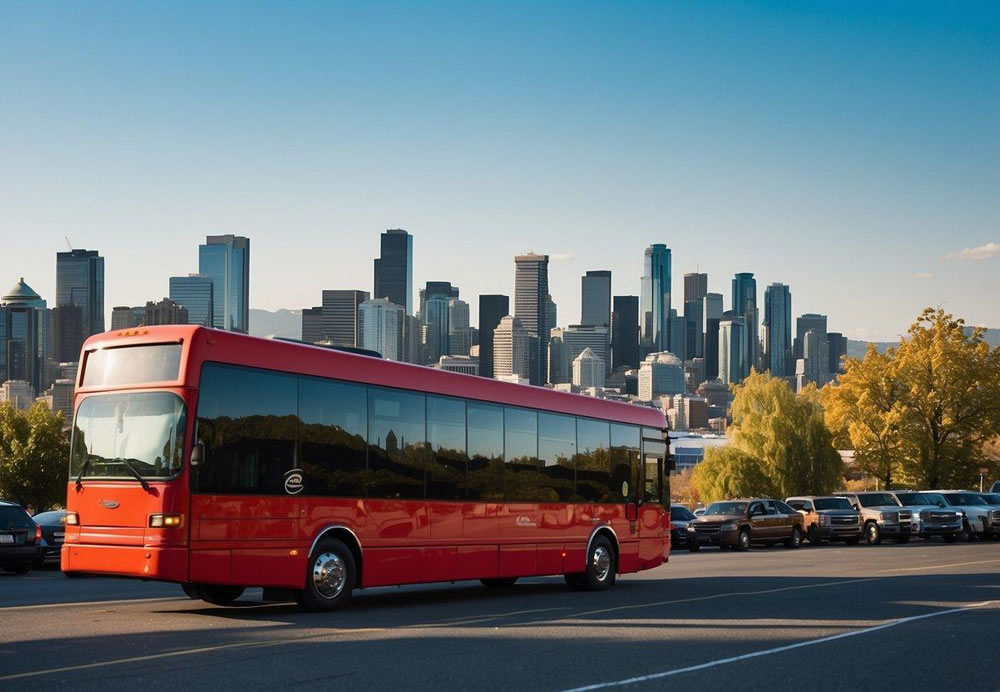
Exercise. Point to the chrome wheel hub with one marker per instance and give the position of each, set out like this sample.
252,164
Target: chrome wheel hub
329,575
601,562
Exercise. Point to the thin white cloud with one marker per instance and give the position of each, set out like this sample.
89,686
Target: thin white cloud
560,257
987,251
923,275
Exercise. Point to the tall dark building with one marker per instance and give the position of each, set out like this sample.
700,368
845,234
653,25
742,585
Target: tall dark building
777,356
531,294
341,321
695,286
838,349
596,299
492,309
804,323
745,306
625,332
226,258
711,315
312,325
655,300
432,289
80,299
394,269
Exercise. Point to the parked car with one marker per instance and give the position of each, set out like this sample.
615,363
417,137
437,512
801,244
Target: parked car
995,488
53,526
928,519
994,500
881,516
699,511
828,518
680,517
981,518
739,523
20,538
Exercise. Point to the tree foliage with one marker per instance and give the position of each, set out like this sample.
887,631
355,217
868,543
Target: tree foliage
780,445
33,456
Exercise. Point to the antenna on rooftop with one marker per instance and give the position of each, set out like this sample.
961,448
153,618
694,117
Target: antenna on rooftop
68,244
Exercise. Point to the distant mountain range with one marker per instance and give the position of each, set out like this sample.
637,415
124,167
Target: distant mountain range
281,323
856,349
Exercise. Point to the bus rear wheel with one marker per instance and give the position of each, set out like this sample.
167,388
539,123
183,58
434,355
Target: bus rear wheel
330,577
217,594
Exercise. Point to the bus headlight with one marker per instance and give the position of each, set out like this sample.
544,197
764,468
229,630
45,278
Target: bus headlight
165,521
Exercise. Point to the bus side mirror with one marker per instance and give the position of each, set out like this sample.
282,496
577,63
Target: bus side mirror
198,453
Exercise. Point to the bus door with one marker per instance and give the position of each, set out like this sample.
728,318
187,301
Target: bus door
652,515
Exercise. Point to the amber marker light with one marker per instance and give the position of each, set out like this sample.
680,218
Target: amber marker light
165,521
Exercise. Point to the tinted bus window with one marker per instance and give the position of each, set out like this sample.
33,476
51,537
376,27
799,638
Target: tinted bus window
112,367
593,471
484,479
521,470
247,420
333,434
396,439
446,444
556,450
625,460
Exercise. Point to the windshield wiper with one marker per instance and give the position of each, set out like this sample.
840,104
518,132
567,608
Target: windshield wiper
133,472
83,470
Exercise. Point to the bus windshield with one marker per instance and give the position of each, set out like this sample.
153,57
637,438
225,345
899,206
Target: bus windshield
143,430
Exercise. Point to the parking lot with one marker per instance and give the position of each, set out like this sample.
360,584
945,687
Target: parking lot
890,616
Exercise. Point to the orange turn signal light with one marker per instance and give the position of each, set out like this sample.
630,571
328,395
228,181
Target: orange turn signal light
165,521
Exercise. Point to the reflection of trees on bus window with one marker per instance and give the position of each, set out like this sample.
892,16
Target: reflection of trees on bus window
446,459
485,441
396,437
556,452
593,476
333,437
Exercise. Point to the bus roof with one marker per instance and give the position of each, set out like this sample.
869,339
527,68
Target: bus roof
216,345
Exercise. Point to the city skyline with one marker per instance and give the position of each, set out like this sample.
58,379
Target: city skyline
743,138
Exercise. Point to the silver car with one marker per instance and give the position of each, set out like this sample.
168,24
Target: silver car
928,518
981,518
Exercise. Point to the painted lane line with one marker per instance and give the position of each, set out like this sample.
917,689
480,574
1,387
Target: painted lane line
954,564
780,649
81,604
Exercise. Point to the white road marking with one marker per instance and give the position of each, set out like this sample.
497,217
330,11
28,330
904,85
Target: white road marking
7,609
954,564
780,649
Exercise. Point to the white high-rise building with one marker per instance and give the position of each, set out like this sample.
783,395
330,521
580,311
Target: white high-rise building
20,393
733,365
588,370
661,374
459,334
511,349
381,327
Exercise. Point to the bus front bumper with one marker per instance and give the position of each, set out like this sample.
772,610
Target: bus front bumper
165,564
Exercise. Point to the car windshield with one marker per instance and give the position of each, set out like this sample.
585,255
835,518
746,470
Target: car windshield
876,500
681,514
144,431
832,503
14,518
991,498
965,499
732,509
914,499
51,517
935,499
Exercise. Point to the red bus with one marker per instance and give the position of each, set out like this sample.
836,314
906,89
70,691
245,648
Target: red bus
222,461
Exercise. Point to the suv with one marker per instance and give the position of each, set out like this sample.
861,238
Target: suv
680,517
20,538
828,518
738,523
881,516
929,519
981,518
995,488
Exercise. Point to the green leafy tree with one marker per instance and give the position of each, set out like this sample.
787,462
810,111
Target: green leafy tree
780,445
33,456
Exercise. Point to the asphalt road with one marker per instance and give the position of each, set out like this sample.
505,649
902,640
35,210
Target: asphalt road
918,616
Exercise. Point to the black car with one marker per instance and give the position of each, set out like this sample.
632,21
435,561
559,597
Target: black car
20,538
53,525
680,517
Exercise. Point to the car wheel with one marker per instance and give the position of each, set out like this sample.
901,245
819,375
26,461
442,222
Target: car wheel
218,594
499,583
600,571
965,535
330,579
951,537
795,540
813,535
693,546
873,534
743,540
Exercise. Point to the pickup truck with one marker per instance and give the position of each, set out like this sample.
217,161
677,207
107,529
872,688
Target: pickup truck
929,518
828,518
881,516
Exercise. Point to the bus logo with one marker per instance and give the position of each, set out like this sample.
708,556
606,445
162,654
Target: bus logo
293,482
110,504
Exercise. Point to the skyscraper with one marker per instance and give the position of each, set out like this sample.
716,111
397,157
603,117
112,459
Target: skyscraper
803,323
492,309
382,327
312,325
459,333
733,366
441,289
23,318
655,297
745,305
777,337
695,286
438,322
394,269
625,332
511,346
596,298
80,299
693,324
712,315
341,321
838,349
196,293
226,259
578,337
165,311
531,294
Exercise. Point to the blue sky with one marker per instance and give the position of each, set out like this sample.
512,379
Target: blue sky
849,150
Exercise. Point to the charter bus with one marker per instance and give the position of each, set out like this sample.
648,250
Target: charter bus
221,461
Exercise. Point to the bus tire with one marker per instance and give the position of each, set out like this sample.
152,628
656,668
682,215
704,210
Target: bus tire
219,594
600,571
499,583
331,576
191,591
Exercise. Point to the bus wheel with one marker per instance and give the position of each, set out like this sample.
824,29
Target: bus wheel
330,579
217,594
191,591
600,572
500,583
